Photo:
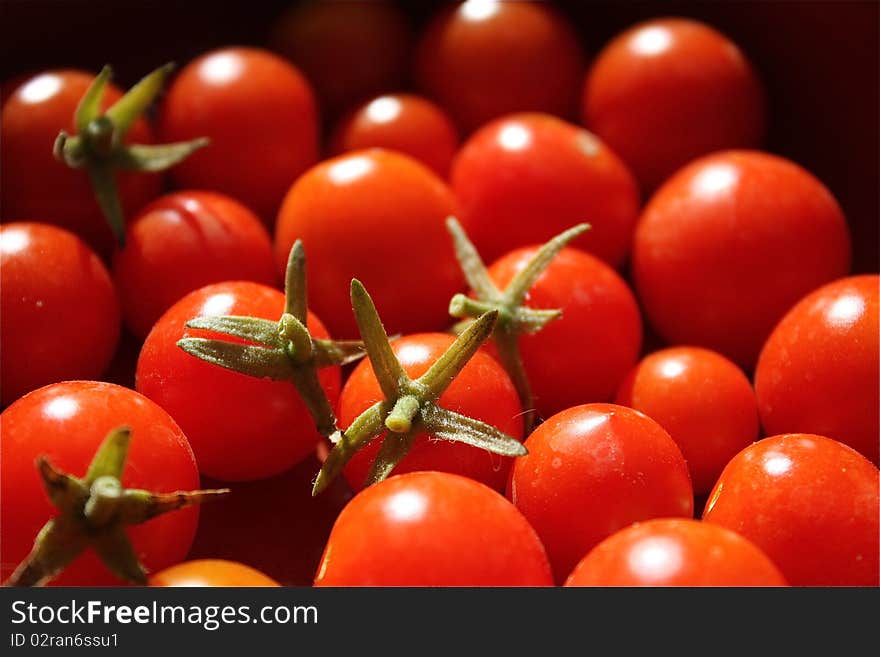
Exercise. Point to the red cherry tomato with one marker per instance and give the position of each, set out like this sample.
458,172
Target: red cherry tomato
485,58
592,470
525,178
379,216
667,91
432,529
37,187
240,427
67,422
59,310
702,399
675,552
481,390
260,115
810,503
402,122
184,241
729,243
819,371
211,572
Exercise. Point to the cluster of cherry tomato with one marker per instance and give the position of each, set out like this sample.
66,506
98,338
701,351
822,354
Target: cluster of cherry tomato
735,444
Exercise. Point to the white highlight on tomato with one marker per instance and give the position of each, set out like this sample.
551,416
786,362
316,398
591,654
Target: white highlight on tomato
349,169
40,88
406,505
514,137
651,41
776,464
62,408
221,68
846,310
655,558
479,10
714,180
384,109
217,304
13,240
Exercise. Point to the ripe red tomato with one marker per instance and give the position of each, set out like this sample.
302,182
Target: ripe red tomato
67,422
211,572
481,390
259,113
59,309
181,242
403,122
810,503
379,216
525,178
667,91
240,427
592,470
702,399
34,186
432,529
484,58
819,371
729,243
675,552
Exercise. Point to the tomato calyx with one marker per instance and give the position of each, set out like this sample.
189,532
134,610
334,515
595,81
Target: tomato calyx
98,145
514,319
94,512
410,406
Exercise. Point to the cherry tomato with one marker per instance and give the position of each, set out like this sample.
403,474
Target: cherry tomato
481,390
240,427
525,178
485,58
67,422
729,243
810,503
211,572
675,552
592,470
60,314
579,357
34,185
819,371
377,215
702,399
261,117
402,122
667,91
432,529
181,242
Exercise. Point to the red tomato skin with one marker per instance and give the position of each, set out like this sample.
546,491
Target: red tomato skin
67,422
810,503
592,470
54,288
702,399
432,529
379,216
241,428
525,178
819,371
210,572
667,91
675,552
728,244
181,242
481,390
32,117
557,357
260,114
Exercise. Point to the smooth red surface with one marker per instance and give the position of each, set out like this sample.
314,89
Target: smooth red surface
211,572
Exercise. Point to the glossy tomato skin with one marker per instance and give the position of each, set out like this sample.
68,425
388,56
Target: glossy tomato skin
675,552
240,427
210,572
577,358
667,91
702,399
68,422
32,117
592,470
481,390
432,529
260,114
819,371
728,244
181,242
481,60
810,503
379,216
55,291
527,177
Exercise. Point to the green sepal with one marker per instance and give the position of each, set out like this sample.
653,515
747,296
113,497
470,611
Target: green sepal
386,367
117,553
251,360
252,329
125,111
394,449
104,186
152,158
448,425
89,107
